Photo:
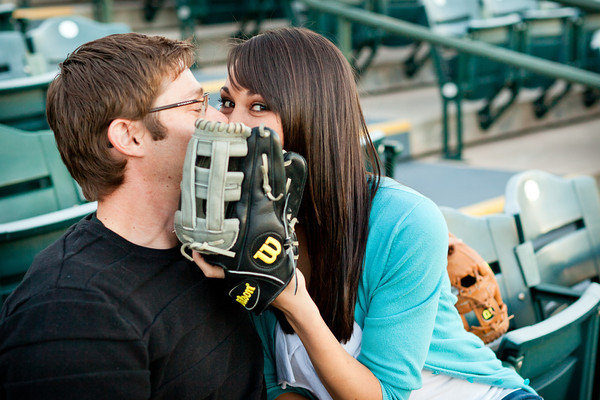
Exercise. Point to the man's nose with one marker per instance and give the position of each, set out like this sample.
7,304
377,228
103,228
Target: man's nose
212,114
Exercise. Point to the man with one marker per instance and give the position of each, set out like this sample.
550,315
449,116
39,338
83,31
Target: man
112,310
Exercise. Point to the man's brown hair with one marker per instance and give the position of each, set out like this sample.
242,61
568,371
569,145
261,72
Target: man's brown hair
118,76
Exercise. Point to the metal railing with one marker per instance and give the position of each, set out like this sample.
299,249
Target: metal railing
347,15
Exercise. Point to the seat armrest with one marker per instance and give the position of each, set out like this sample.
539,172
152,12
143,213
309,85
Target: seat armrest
550,291
589,301
28,82
45,223
551,13
493,23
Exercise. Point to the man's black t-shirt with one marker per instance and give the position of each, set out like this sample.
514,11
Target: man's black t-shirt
98,317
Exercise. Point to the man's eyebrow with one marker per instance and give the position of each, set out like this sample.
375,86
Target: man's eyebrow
197,92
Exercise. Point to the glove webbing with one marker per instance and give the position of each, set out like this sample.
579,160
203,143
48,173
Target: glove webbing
216,185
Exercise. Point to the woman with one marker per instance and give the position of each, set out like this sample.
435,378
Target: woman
373,316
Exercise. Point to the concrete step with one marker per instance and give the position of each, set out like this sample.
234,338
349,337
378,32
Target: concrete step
477,183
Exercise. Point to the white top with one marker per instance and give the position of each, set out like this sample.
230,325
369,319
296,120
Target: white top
438,386
294,368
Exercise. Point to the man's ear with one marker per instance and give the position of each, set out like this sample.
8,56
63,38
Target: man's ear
126,136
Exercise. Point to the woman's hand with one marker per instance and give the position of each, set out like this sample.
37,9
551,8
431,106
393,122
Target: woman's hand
287,301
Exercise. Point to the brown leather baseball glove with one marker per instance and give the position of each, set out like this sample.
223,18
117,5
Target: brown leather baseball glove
475,285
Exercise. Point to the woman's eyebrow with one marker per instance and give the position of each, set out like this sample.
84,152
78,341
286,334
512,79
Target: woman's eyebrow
225,89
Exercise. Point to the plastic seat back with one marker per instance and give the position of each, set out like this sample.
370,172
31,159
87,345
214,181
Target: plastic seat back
498,8
411,11
451,17
13,55
559,223
56,37
33,179
494,237
6,12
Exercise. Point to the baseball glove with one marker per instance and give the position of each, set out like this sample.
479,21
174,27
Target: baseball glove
240,195
477,290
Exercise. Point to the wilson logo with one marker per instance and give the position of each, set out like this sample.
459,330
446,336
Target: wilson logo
488,313
245,297
269,251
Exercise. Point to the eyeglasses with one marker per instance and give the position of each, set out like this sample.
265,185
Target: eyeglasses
203,100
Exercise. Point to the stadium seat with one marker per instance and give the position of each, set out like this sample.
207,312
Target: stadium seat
33,178
587,37
13,55
22,95
38,200
465,77
547,33
23,101
6,22
367,40
411,11
56,37
559,226
558,354
191,12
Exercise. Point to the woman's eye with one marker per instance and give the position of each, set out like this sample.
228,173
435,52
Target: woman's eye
225,103
259,107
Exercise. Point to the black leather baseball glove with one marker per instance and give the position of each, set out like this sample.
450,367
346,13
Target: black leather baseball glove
240,194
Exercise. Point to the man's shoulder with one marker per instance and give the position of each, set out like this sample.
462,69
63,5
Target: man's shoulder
62,265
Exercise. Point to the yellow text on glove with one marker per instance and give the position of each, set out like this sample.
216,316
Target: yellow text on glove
243,299
488,313
269,251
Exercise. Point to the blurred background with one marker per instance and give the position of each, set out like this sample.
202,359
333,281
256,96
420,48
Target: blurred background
488,107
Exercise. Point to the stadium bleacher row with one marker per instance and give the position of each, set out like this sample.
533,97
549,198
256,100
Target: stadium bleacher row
543,29
544,248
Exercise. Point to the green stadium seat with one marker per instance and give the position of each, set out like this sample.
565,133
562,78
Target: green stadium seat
13,55
559,226
191,12
558,354
465,77
411,11
367,40
22,95
38,200
33,178
547,33
6,22
587,38
23,101
56,37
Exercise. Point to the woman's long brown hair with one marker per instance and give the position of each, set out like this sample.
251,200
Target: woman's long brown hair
305,79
